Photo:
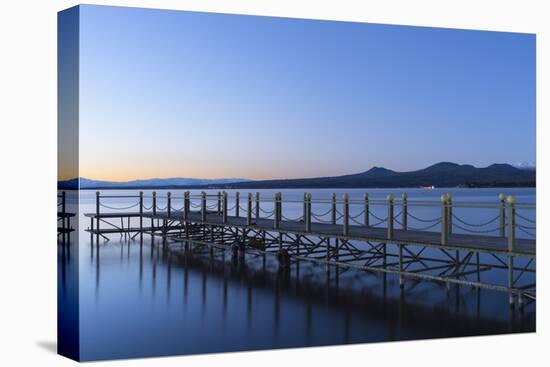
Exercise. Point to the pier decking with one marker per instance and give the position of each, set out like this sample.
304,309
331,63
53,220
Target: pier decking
340,239
490,244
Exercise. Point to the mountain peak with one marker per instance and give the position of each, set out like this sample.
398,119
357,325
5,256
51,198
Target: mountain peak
502,167
443,165
378,171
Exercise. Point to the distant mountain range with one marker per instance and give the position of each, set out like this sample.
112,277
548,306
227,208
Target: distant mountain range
444,174
86,183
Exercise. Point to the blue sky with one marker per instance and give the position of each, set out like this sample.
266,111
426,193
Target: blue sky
169,93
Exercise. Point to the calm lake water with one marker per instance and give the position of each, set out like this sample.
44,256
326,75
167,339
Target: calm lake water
139,299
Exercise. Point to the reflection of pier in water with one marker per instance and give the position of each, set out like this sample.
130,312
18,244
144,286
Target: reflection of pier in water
339,237
310,285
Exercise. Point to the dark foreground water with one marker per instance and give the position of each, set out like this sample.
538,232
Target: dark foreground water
139,299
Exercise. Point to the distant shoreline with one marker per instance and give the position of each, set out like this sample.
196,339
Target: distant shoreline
229,187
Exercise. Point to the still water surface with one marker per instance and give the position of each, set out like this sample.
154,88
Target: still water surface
140,299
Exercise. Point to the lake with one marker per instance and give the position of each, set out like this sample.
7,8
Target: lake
139,299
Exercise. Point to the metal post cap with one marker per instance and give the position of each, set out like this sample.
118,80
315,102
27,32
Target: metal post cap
443,198
390,197
501,197
511,199
404,196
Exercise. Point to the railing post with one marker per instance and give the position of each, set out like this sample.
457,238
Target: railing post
307,214
257,206
276,210
64,221
249,210
346,214
168,204
141,212
333,208
203,206
280,207
305,206
186,205
366,214
502,215
224,207
390,216
511,222
511,244
154,208
97,204
237,203
154,203
444,225
404,214
449,213
63,208
219,203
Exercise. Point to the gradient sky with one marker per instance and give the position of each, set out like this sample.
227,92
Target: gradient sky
170,93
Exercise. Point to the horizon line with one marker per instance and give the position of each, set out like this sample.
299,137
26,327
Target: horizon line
238,179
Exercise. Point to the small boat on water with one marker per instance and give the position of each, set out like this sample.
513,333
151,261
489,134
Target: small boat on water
428,187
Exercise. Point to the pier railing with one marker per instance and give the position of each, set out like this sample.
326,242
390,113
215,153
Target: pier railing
510,219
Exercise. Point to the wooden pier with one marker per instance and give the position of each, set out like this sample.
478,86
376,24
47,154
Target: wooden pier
64,227
347,233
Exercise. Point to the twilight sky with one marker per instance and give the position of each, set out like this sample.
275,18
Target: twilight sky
182,94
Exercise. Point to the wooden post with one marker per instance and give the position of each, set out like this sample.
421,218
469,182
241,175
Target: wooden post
219,203
404,211
203,206
333,208
224,208
511,222
280,207
444,225
168,204
390,216
249,210
141,213
154,208
186,205
97,214
64,222
257,206
63,207
502,215
346,214
237,203
366,214
276,210
511,244
305,206
307,213
449,213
